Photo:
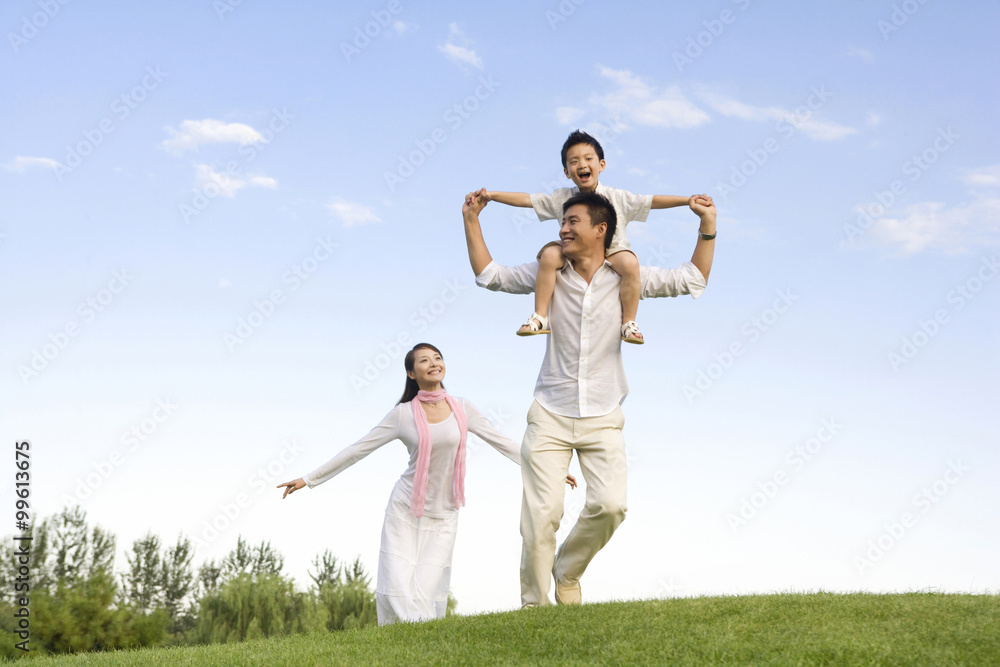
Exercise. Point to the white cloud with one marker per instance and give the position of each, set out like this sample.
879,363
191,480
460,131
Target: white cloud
403,28
263,182
802,118
984,176
568,115
351,213
932,226
195,132
205,176
458,49
858,52
637,101
225,282
873,119
20,163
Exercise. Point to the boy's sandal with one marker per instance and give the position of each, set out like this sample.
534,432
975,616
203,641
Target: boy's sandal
536,325
629,331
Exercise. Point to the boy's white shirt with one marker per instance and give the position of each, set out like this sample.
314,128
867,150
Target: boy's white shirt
628,206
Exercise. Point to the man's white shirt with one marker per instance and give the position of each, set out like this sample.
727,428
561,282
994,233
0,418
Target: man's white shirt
582,374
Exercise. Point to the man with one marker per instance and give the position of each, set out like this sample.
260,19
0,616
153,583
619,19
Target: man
580,386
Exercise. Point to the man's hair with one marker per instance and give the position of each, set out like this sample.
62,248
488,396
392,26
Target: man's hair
580,137
599,209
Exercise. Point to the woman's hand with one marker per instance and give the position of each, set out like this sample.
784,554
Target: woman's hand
295,485
571,481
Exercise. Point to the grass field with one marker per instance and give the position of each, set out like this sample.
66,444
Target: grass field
782,629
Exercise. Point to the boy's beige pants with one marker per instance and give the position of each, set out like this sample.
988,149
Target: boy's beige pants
546,451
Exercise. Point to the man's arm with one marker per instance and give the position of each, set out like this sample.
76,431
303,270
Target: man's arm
479,254
522,199
489,274
704,250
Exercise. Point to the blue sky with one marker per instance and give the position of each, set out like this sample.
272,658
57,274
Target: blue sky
221,220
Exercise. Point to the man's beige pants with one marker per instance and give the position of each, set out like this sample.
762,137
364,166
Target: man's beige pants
548,446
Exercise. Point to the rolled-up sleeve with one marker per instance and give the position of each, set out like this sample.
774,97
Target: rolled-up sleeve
657,282
513,279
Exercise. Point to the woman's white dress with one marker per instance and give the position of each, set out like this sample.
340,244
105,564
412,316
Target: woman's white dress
414,567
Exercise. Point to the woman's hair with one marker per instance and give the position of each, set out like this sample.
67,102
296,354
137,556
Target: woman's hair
411,388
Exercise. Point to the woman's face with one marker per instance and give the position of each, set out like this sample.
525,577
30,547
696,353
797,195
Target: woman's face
428,369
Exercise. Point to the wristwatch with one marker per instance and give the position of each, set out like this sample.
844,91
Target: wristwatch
705,237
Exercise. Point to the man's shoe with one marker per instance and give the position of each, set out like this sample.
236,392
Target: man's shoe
568,594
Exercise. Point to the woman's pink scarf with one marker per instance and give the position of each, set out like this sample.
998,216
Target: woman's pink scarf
419,496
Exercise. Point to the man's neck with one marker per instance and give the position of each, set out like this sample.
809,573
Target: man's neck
587,265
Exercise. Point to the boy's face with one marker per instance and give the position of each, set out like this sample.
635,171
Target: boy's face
582,167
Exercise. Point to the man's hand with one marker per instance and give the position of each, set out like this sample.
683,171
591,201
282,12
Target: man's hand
703,207
475,202
699,200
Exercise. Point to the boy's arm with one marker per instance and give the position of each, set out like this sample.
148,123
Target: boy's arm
522,199
671,201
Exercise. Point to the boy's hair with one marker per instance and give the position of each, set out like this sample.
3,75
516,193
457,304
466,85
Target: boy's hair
599,209
581,137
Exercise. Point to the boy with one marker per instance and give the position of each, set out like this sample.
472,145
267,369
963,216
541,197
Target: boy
583,160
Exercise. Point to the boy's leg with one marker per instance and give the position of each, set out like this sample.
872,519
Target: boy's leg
626,265
550,260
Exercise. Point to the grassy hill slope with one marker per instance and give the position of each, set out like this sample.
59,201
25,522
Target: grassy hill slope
811,629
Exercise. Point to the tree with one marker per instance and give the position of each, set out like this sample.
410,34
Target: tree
143,581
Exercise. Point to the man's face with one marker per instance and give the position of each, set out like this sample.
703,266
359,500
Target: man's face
577,235
583,166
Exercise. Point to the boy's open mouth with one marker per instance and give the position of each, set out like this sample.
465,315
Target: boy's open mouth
584,174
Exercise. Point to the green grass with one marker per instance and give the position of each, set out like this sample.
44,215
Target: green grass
782,629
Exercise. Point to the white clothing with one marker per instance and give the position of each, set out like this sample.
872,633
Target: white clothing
582,373
415,557
399,425
414,563
628,206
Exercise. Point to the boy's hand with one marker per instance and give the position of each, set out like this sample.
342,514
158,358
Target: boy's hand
475,202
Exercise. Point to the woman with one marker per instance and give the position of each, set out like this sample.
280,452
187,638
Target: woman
418,536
